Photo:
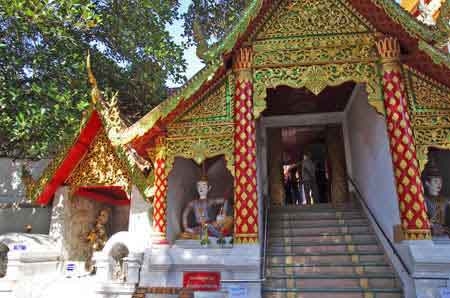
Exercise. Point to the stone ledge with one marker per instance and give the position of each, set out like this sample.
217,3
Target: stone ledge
429,259
116,288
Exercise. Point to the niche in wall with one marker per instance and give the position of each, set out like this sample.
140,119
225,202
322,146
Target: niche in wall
83,210
182,188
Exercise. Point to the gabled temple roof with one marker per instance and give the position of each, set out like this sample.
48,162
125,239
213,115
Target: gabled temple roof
62,166
65,163
386,16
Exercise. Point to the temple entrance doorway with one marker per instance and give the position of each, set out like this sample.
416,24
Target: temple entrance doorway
306,165
302,154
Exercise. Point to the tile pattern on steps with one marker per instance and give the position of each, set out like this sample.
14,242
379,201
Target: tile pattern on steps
323,252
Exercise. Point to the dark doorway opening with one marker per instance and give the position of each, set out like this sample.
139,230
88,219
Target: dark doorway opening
307,165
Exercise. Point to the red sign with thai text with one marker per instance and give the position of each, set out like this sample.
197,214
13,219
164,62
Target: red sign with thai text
201,281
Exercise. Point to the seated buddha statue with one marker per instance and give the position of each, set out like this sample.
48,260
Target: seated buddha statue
437,205
218,226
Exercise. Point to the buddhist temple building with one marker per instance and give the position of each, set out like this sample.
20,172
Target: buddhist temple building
309,158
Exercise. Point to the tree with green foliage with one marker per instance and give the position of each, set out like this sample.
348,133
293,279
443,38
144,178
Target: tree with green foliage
43,82
208,21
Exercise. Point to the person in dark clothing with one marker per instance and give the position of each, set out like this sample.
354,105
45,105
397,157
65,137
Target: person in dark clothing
309,180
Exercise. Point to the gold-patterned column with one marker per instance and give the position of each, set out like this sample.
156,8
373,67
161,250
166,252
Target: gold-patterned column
160,198
246,199
414,219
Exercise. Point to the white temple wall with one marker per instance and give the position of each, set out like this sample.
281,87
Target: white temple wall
119,219
371,163
141,215
11,187
12,190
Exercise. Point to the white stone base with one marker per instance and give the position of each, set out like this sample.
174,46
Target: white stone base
164,266
6,288
114,290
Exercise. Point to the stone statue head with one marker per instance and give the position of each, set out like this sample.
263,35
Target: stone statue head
103,216
432,179
203,188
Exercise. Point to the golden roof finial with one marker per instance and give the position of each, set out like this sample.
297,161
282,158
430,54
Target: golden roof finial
95,93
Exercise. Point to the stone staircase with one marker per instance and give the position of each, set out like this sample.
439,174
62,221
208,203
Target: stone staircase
324,252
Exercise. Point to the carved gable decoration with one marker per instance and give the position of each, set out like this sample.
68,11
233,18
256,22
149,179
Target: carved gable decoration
100,166
206,129
295,18
429,107
215,106
427,94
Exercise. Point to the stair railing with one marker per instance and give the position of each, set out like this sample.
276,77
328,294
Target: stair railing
265,237
372,215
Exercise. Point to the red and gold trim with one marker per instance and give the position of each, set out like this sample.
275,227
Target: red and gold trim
414,219
160,199
246,199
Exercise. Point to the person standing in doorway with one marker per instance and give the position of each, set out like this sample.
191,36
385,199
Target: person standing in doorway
309,179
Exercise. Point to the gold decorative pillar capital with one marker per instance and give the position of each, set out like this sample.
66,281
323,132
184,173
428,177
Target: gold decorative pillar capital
160,147
242,64
389,50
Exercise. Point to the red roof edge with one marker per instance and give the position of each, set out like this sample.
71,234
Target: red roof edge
73,157
102,198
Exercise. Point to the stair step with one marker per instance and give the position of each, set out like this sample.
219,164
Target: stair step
319,229
325,242
332,276
319,249
314,215
377,264
315,207
332,281
332,293
341,233
318,222
343,268
319,259
324,252
325,238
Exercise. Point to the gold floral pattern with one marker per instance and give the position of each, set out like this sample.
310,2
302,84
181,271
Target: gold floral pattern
313,17
215,105
315,78
429,106
306,51
100,166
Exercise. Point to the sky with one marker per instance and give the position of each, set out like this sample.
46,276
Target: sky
193,63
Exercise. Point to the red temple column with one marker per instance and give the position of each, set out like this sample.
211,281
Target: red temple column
160,198
414,220
245,195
